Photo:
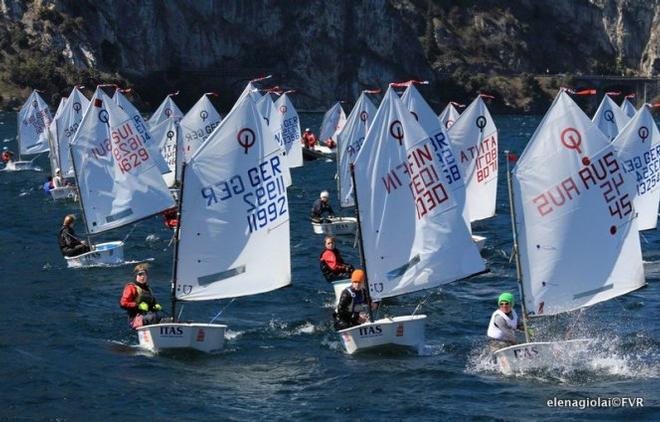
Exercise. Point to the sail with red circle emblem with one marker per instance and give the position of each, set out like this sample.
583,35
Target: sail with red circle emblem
198,123
413,233
234,226
575,219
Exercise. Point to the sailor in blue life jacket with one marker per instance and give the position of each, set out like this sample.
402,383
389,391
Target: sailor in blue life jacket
139,301
322,206
353,307
48,185
503,323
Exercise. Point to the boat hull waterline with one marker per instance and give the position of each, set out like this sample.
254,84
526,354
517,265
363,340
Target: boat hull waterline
173,336
336,226
541,355
406,331
109,253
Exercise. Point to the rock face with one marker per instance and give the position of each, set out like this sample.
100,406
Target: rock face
328,50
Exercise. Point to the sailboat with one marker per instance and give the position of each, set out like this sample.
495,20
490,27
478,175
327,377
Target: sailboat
333,122
628,107
453,173
33,120
637,148
287,130
166,110
118,181
609,117
574,229
198,123
474,138
450,114
411,232
63,129
226,223
166,135
67,191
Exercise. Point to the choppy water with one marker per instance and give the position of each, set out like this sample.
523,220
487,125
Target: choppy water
66,352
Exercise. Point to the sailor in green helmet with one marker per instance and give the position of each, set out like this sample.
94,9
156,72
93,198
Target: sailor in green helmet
503,323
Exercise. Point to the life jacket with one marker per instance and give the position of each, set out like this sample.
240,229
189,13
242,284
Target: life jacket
325,268
498,333
144,294
6,156
358,302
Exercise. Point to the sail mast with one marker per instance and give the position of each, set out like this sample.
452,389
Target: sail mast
363,258
80,197
514,230
176,242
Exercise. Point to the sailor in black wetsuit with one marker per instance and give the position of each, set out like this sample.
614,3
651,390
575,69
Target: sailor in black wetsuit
70,245
322,206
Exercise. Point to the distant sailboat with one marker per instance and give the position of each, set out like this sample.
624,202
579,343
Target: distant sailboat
474,139
628,107
575,233
609,117
118,180
64,127
287,126
33,121
450,114
198,123
638,150
232,240
412,234
333,122
166,110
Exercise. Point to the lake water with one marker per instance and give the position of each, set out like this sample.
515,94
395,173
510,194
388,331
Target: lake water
66,352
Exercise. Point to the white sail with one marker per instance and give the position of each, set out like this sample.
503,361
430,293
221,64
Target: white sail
151,144
638,150
333,122
628,108
285,117
33,121
118,180
234,234
167,135
449,115
577,231
609,118
413,233
475,141
265,108
66,124
452,174
52,137
167,109
197,125
249,90
349,142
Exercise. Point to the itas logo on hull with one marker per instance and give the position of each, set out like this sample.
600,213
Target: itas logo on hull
171,331
526,353
371,331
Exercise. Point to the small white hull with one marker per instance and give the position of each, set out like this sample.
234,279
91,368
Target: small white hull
541,355
21,166
339,286
319,151
64,192
173,336
479,240
109,253
336,226
406,331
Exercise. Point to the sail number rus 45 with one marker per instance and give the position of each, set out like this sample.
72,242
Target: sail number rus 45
261,189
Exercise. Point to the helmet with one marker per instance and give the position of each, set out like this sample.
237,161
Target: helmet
324,194
307,129
57,170
505,297
5,148
358,276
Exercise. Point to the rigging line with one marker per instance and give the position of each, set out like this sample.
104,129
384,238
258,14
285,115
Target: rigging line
178,318
423,301
222,310
130,232
37,156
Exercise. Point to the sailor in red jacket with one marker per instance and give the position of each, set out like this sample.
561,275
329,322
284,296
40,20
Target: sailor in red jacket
7,155
139,301
333,266
308,138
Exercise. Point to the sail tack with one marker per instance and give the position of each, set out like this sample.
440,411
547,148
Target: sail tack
234,234
413,232
575,217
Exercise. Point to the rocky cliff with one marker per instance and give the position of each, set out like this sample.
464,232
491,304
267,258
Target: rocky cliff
327,50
